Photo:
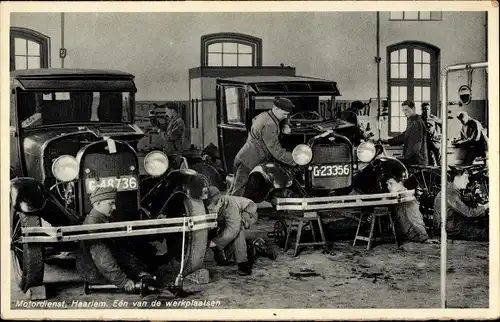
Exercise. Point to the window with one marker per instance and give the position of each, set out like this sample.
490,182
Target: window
416,15
231,49
235,104
412,74
28,49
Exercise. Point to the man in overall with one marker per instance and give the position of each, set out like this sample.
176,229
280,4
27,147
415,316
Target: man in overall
414,138
432,123
462,222
172,132
351,115
471,138
105,261
262,144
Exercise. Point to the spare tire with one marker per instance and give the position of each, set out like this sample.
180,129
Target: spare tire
27,258
213,177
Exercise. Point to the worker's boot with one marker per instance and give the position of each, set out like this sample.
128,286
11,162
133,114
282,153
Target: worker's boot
220,256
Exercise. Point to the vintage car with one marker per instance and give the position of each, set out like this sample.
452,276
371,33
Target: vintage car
72,131
319,142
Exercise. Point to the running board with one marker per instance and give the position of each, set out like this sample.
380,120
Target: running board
349,201
118,229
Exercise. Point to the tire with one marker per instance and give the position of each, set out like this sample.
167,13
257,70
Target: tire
27,259
210,173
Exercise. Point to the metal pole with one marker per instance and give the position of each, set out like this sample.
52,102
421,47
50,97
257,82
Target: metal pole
444,164
378,74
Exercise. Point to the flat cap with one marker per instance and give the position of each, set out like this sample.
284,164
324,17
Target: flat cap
104,193
284,104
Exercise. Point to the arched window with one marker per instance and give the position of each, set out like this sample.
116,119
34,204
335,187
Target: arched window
28,49
412,74
231,49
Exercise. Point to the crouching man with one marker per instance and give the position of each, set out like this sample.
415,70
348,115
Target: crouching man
106,261
462,222
235,214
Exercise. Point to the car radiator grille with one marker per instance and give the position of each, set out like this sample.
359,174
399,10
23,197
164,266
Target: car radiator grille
335,153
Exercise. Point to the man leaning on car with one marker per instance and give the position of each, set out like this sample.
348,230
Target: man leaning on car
262,144
103,261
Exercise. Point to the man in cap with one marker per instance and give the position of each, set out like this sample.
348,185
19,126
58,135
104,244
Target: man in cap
432,123
351,115
462,221
235,215
472,138
172,132
414,138
262,144
105,261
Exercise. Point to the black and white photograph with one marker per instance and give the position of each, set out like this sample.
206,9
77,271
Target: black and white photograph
199,157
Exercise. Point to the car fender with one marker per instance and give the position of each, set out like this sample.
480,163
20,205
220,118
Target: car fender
368,179
32,198
264,178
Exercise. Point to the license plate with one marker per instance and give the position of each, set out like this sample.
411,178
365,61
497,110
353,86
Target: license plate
331,170
122,183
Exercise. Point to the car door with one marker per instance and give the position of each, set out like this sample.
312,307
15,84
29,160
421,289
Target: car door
232,104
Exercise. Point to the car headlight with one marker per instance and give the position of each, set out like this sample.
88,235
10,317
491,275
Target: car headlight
156,163
302,154
366,151
65,168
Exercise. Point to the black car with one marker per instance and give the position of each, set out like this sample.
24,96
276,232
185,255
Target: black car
72,131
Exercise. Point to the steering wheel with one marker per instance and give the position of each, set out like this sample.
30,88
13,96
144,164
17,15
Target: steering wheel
306,115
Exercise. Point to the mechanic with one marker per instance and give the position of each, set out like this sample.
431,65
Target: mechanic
472,138
408,220
351,115
432,123
235,215
172,132
262,144
106,261
414,138
462,222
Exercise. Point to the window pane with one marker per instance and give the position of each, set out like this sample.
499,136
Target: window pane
396,15
426,57
233,107
20,46
425,15
418,107
411,15
230,59
394,93
20,62
417,71
402,55
403,70
403,94
417,56
245,60
230,47
395,124
217,47
402,123
244,49
394,56
395,108
417,93
436,15
394,71
214,60
33,62
426,71
426,94
33,48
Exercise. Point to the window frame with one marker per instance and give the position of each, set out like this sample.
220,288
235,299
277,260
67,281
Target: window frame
238,38
410,82
30,35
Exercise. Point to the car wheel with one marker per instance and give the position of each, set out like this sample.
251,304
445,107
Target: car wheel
27,259
211,174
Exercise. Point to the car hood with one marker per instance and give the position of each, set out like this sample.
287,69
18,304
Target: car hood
335,125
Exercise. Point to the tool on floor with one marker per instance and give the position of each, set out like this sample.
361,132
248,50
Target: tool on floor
141,287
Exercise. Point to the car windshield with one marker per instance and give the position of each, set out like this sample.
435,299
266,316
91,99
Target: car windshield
46,108
320,104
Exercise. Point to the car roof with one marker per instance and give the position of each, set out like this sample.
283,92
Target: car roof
65,72
272,79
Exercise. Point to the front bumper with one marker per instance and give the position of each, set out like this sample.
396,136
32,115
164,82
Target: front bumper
118,229
348,201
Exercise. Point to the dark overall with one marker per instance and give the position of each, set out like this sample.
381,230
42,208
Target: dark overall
414,140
